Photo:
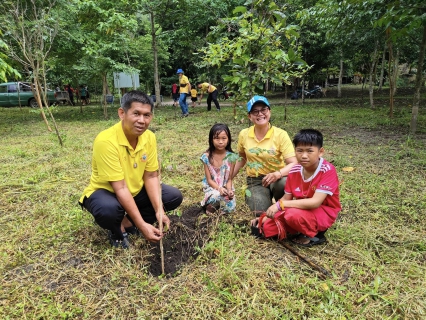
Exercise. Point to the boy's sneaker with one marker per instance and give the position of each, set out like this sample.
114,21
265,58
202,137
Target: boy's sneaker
118,243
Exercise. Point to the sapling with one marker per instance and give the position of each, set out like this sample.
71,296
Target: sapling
160,219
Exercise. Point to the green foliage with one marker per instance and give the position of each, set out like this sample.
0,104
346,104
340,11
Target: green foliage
257,45
5,68
402,17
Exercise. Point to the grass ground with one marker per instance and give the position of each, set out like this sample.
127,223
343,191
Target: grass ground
56,264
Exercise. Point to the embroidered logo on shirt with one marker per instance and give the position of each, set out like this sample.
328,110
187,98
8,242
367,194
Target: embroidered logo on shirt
324,187
144,157
297,189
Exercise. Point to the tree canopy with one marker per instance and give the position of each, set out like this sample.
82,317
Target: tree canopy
245,43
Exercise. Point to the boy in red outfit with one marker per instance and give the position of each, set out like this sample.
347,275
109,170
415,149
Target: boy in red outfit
311,200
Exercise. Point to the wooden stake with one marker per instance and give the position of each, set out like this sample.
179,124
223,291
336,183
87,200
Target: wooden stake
160,220
323,272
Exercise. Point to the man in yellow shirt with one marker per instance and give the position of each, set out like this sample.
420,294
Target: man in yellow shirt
124,190
212,91
185,89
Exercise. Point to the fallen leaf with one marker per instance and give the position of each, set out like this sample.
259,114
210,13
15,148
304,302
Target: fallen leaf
348,169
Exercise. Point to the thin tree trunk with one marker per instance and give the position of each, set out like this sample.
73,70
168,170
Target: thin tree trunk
339,84
155,52
285,103
37,95
326,83
416,100
372,68
395,71
104,93
382,68
391,84
46,102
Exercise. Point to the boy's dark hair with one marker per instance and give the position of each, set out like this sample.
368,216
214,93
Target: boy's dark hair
198,83
214,132
308,137
135,96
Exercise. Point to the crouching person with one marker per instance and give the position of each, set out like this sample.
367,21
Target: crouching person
311,202
124,191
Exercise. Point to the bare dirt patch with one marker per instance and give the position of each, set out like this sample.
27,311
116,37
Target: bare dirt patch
182,243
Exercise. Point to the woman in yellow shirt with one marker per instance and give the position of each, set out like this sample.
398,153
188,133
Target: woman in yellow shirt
269,154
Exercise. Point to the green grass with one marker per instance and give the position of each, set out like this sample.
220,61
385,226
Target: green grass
55,263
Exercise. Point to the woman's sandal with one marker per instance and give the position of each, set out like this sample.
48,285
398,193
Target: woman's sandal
312,241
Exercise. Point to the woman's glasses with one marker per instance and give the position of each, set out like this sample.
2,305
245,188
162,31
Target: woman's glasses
256,112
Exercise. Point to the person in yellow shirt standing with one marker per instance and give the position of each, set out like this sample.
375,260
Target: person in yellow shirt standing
213,93
124,190
185,88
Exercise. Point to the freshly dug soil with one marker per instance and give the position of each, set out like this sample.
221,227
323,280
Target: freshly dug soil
187,233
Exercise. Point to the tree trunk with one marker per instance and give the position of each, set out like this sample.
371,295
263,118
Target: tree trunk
104,93
155,52
416,100
326,83
391,84
46,103
395,71
339,84
382,68
35,88
285,103
372,68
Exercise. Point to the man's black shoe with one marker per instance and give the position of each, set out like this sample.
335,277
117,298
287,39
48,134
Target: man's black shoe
119,243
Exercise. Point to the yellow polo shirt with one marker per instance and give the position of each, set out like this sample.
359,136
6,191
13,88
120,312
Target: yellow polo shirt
114,159
270,152
184,80
194,93
205,87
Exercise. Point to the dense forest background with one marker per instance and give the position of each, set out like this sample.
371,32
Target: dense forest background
249,45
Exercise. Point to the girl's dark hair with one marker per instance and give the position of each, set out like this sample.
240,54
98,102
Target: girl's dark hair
308,137
214,132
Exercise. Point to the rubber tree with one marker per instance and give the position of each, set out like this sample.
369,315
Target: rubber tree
108,27
157,11
258,46
400,18
348,25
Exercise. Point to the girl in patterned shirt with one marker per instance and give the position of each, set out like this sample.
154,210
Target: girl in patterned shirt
217,183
